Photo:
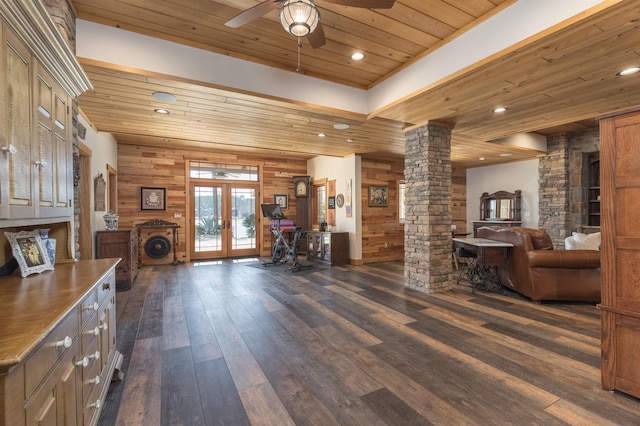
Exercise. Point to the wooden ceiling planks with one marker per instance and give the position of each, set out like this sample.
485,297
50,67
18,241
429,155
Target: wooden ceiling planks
537,81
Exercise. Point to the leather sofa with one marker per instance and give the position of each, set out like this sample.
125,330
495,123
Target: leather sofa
537,271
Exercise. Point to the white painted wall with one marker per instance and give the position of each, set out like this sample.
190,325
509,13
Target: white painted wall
522,175
341,169
103,151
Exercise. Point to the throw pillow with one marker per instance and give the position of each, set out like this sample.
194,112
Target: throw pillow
579,241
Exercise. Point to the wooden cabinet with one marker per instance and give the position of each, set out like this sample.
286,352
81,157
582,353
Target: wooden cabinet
58,348
328,247
122,243
36,170
620,215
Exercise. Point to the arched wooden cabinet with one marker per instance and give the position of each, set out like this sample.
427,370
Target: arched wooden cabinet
620,217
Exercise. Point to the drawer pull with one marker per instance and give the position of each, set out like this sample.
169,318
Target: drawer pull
93,307
94,331
84,362
106,286
11,149
66,342
95,356
95,381
104,326
95,405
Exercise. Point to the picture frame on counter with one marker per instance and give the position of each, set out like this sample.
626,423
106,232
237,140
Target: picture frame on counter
29,251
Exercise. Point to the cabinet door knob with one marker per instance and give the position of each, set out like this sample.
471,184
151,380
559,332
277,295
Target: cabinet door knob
95,355
95,381
104,326
93,307
66,342
95,405
40,163
95,331
9,148
84,362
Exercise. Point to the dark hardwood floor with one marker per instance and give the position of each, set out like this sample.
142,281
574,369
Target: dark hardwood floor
234,344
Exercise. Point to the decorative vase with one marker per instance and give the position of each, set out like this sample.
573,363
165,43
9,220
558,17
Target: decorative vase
50,247
111,220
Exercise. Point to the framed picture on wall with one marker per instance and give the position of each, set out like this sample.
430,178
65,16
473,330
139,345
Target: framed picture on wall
153,198
378,196
282,200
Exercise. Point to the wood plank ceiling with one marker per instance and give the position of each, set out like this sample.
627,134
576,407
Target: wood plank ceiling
558,82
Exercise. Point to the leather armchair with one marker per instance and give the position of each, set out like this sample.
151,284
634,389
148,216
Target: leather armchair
537,271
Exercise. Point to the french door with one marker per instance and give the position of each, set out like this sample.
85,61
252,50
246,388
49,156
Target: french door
224,220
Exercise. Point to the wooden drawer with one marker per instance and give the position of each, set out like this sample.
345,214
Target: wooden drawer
91,371
89,332
51,350
106,287
88,307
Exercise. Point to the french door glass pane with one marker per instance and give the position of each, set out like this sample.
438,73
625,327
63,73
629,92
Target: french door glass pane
208,217
243,218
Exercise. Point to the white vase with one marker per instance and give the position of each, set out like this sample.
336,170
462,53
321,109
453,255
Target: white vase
111,220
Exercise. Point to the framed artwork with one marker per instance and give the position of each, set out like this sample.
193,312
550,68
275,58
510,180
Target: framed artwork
29,251
153,198
378,196
282,200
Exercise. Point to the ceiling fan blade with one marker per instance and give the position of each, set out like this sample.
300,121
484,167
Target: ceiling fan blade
317,38
253,13
368,4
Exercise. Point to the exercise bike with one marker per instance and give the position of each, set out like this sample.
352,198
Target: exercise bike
282,251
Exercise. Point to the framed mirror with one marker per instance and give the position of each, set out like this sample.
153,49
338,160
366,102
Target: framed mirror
501,205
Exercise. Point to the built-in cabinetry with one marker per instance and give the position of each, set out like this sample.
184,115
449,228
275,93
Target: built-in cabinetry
620,215
58,344
594,189
329,247
122,243
36,158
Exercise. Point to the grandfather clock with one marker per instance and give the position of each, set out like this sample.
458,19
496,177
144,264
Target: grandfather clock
302,192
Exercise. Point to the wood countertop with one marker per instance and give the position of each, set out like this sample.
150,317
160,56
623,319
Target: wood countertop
31,307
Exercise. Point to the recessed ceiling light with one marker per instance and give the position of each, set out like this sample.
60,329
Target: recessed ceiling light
321,135
357,56
161,111
481,158
500,109
164,96
341,126
506,154
628,71
350,140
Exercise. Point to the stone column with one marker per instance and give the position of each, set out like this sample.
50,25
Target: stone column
427,229
554,190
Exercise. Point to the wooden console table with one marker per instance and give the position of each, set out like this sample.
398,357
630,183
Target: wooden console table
483,256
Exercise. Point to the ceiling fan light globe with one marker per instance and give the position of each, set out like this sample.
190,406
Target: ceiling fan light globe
299,17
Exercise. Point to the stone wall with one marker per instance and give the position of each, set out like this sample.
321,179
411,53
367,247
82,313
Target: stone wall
553,191
427,234
563,183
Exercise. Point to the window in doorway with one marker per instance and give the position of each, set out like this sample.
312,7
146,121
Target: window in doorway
210,170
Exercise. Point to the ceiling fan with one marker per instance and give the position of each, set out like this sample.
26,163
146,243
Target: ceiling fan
315,33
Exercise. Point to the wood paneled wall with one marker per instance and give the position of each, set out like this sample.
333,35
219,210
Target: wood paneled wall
382,233
459,198
162,167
